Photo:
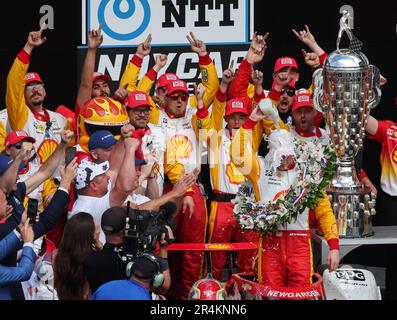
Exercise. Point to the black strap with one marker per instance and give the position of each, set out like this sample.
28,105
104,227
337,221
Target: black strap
224,197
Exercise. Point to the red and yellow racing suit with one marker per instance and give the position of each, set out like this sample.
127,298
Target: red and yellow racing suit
285,256
225,181
183,154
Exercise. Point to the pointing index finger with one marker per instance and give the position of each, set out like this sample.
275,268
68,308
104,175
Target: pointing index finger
266,36
231,65
42,27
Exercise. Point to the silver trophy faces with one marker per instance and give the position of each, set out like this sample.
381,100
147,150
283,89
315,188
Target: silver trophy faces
345,90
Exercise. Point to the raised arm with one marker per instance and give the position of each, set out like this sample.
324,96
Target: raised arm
131,72
57,206
117,156
209,76
179,189
15,98
218,108
51,164
8,178
146,83
95,39
372,125
306,37
255,54
124,184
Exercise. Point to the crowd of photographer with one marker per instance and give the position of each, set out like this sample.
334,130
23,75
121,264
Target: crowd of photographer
105,189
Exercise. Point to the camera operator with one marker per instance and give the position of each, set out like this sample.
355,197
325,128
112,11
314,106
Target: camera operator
145,278
106,265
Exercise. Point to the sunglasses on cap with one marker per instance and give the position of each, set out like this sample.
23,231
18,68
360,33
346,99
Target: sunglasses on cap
35,86
290,92
175,97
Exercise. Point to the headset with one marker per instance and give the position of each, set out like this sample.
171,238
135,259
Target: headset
157,279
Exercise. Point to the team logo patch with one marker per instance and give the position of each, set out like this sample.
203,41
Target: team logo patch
286,61
178,84
30,76
237,105
21,133
140,97
303,99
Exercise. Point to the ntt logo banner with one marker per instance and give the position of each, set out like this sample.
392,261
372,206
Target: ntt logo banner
128,22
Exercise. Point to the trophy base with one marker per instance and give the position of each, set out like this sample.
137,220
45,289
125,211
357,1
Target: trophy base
353,210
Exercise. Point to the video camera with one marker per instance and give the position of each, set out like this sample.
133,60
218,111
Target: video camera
144,228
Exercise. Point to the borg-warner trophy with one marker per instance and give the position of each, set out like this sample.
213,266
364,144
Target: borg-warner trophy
345,90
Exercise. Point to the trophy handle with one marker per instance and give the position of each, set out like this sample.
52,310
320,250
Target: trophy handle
374,99
318,91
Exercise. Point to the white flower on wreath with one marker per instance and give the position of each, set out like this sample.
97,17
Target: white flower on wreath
246,221
282,210
237,208
261,223
271,218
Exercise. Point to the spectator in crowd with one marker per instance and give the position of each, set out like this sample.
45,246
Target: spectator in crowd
13,143
145,277
101,145
9,245
47,219
80,237
106,265
92,184
226,179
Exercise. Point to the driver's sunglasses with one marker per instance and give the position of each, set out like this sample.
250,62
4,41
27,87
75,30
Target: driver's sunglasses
17,145
175,97
35,86
288,91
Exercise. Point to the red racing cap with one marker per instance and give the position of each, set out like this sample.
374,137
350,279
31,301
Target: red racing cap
236,106
302,100
32,77
285,62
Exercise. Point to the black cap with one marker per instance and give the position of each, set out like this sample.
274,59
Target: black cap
146,267
113,220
